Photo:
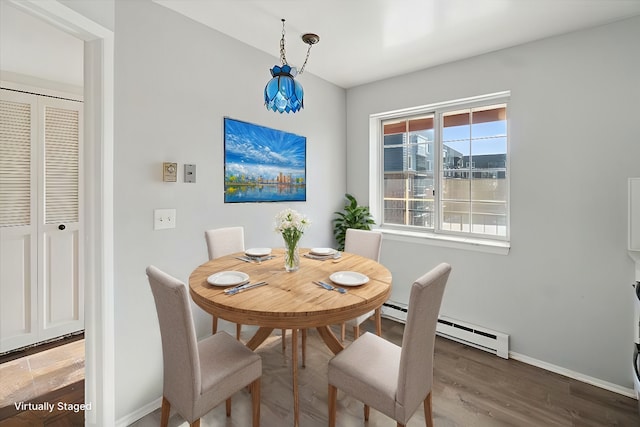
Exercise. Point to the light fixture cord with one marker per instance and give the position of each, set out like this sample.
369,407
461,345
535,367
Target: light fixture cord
283,58
305,59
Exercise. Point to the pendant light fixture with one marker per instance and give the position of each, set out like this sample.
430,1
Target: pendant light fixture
283,93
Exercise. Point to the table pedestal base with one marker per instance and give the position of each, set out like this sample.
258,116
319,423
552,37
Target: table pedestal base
327,336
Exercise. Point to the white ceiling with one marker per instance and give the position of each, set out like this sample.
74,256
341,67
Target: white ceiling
367,40
360,40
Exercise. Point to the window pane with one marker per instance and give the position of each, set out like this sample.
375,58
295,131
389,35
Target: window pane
394,186
408,172
396,139
488,183
394,160
421,213
455,216
490,129
394,211
394,127
474,193
489,218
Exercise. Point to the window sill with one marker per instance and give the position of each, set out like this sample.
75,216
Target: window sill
448,241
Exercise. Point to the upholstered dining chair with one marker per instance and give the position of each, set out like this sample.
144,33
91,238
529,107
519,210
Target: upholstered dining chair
198,376
221,242
224,241
365,243
394,380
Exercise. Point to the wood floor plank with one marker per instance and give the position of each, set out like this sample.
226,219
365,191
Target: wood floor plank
17,382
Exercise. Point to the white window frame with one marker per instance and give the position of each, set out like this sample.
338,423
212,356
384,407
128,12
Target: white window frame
437,236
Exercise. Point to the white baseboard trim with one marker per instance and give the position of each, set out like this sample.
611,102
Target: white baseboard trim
139,413
629,392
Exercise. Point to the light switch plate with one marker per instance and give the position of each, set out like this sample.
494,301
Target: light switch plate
164,218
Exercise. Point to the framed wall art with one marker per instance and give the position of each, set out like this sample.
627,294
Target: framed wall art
263,164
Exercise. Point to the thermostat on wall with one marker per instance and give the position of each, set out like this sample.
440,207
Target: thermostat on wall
169,172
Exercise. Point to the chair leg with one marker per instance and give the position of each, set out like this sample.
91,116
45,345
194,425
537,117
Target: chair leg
343,332
356,332
304,347
428,411
214,325
378,319
333,395
166,409
255,402
366,412
284,340
228,405
238,331
196,423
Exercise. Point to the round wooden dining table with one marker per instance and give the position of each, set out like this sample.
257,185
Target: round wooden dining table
291,300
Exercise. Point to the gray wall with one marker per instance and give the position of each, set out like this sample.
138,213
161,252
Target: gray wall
563,292
174,81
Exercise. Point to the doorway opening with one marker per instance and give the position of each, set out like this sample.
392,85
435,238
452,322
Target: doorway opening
41,261
98,207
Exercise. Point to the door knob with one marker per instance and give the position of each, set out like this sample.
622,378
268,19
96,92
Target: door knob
61,227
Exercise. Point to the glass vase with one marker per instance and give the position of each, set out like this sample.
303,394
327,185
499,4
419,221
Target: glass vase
291,256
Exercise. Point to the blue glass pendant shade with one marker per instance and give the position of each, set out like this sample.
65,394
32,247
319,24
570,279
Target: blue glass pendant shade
283,93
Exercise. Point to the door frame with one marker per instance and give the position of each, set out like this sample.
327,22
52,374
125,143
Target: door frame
98,203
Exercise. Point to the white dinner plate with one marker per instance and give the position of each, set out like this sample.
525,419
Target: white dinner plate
259,252
227,278
348,278
322,251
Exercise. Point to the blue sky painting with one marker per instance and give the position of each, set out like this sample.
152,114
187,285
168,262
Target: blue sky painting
263,164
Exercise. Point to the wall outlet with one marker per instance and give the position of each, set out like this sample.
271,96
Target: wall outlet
164,218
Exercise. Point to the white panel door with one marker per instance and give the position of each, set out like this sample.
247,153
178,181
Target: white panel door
61,310
18,294
18,224
41,295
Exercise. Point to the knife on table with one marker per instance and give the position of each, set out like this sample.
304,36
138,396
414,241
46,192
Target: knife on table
237,289
330,288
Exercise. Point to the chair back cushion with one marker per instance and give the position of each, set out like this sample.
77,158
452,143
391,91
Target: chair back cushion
224,241
182,382
416,359
365,243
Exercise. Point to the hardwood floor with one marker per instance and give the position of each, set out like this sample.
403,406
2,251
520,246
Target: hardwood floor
471,388
53,377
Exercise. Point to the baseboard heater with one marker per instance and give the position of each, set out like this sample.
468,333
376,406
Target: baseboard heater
457,330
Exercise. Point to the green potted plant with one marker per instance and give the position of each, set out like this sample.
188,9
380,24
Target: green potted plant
352,216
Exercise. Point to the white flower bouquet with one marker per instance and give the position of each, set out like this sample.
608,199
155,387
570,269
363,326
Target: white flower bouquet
291,224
